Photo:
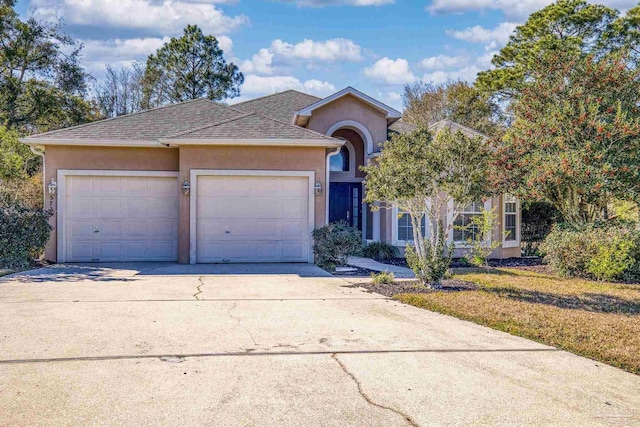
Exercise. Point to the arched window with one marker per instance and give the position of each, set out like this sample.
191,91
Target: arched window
340,162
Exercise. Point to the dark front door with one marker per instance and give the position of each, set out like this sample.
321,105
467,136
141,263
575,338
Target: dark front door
345,203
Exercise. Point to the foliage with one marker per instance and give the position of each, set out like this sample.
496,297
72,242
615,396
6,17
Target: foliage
568,27
189,67
383,278
429,176
16,159
334,243
575,142
42,85
604,253
380,251
457,100
537,220
121,92
431,264
25,192
23,234
481,246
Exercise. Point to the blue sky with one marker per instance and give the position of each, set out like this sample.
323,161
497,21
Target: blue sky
316,46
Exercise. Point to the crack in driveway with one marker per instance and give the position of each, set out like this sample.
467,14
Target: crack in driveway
239,320
199,288
406,417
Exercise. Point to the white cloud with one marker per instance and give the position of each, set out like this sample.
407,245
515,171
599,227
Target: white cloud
390,71
157,17
260,63
511,8
324,3
493,38
259,85
468,74
329,50
281,53
443,62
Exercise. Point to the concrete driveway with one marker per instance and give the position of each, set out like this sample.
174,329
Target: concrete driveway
281,345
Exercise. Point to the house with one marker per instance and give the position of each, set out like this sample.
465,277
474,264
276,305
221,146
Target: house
202,182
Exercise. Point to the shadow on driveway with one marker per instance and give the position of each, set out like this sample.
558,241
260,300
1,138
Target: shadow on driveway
127,271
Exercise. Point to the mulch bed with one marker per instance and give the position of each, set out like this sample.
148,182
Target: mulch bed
413,287
523,263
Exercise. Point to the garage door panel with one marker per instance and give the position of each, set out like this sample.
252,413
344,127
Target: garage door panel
252,219
136,218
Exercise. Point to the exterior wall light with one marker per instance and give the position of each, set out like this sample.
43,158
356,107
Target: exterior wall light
52,187
186,187
318,188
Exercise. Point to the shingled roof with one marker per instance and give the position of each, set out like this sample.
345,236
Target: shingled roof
281,106
196,119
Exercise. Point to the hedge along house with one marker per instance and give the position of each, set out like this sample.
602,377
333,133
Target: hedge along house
202,182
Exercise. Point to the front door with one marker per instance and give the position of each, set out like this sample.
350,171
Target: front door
345,203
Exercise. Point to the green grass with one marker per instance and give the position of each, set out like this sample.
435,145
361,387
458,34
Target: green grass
597,320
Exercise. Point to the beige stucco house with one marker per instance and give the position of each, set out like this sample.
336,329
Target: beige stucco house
202,182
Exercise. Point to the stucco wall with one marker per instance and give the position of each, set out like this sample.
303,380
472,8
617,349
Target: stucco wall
358,146
248,158
350,108
101,158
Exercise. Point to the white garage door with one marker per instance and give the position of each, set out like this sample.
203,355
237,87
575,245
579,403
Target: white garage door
253,219
121,218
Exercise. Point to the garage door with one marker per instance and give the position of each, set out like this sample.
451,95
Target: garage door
121,218
253,219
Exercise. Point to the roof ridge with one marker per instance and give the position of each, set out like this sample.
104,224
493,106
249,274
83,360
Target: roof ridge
109,119
242,115
278,93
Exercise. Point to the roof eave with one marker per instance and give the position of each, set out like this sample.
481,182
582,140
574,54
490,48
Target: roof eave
90,142
274,142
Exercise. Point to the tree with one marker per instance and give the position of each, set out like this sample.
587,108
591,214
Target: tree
575,141
429,176
42,85
121,92
427,103
189,67
573,27
16,160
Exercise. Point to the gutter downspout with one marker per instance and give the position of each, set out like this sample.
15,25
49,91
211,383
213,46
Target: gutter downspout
327,181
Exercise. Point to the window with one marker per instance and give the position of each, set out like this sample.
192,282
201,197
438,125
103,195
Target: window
510,218
463,227
340,162
405,228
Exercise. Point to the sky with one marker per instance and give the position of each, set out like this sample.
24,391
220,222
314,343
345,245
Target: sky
315,46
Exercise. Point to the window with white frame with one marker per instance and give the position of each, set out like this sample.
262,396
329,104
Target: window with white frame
464,228
510,218
405,227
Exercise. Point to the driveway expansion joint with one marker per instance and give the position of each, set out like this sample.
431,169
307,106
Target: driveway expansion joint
366,397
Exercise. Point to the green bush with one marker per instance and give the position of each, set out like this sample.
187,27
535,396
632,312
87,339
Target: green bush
537,220
380,251
602,253
383,278
23,234
334,243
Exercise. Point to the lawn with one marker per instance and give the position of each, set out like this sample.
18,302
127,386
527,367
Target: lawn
597,320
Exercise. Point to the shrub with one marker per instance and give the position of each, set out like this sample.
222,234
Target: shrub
434,265
380,251
605,253
23,234
383,278
334,243
481,246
